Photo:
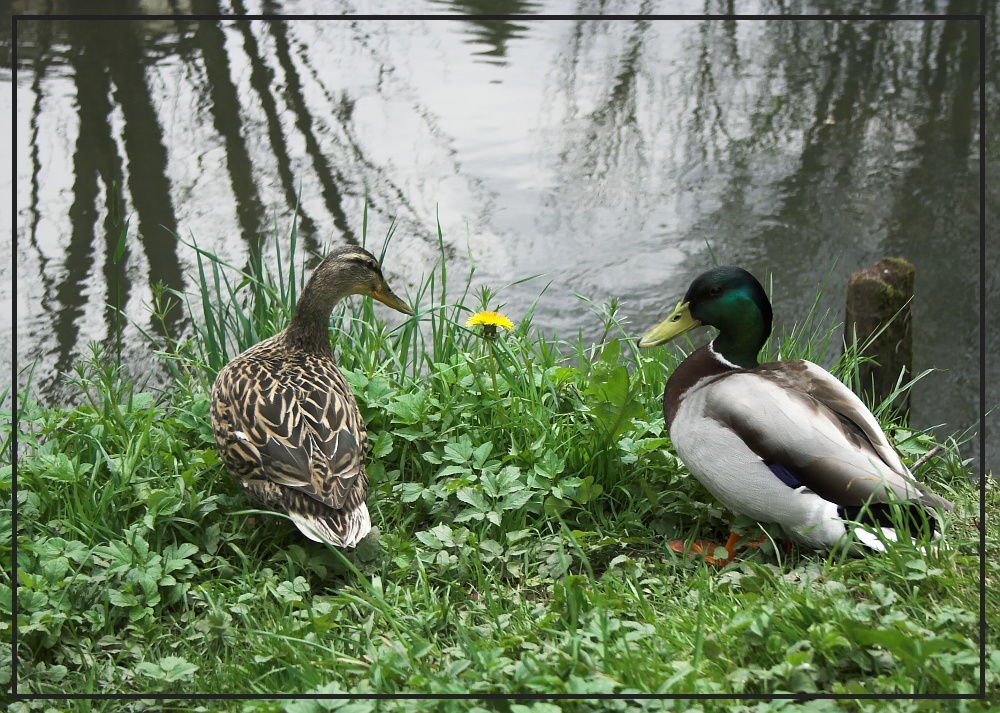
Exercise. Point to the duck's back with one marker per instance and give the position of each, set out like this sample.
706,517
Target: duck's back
289,430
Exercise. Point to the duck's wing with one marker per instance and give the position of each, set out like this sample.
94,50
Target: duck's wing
298,434
804,423
317,454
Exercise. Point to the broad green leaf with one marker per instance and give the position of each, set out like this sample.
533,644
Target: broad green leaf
119,598
554,506
611,352
481,453
473,497
407,408
381,445
459,451
430,539
168,669
516,501
491,546
409,492
453,470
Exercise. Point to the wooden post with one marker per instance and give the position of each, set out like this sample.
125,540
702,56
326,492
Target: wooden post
874,297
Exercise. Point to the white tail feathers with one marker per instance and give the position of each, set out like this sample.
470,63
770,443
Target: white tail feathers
871,540
357,524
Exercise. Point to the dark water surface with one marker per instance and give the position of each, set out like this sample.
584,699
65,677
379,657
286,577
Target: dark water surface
606,154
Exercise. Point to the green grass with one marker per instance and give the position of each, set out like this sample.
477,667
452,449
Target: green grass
525,491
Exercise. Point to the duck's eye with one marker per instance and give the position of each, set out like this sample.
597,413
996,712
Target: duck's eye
715,291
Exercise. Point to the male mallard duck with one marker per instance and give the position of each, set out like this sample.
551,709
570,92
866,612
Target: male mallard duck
286,423
782,442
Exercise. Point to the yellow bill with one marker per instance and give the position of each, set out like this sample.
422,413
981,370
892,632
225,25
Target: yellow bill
679,322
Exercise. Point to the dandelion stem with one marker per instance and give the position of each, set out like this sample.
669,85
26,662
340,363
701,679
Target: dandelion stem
493,369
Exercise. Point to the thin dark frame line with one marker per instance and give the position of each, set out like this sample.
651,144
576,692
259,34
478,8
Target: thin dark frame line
14,390
494,696
438,16
982,356
980,19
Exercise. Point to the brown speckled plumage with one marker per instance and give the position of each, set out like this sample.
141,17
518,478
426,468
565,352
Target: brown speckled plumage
285,421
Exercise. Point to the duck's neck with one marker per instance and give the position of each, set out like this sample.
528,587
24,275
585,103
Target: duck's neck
702,364
741,342
310,325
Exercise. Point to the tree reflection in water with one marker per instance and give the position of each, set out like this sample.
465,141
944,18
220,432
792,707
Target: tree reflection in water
789,146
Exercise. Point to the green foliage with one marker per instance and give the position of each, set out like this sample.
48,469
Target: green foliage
524,488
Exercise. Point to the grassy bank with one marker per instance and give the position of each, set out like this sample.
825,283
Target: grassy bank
525,491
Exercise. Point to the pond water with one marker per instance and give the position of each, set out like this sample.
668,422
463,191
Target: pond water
611,156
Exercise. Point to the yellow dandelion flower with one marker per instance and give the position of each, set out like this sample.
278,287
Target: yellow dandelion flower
489,320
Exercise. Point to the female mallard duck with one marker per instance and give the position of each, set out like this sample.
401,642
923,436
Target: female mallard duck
286,423
782,442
